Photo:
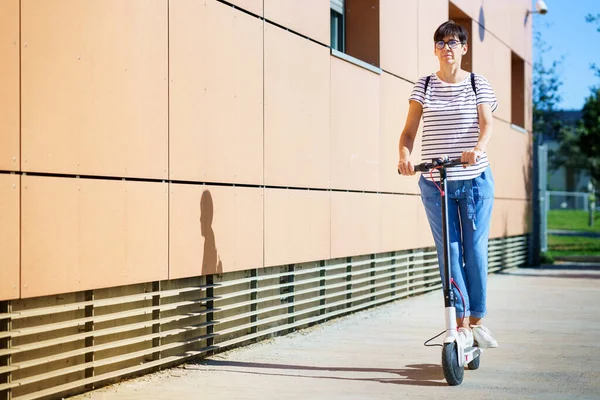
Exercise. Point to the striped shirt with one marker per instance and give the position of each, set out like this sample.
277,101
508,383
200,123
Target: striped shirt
450,121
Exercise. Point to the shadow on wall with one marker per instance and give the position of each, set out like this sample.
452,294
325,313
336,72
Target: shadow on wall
211,262
481,22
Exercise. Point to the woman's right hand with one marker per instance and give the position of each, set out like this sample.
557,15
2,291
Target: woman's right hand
405,167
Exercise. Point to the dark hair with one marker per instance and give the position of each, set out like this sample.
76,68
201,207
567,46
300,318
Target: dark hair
451,28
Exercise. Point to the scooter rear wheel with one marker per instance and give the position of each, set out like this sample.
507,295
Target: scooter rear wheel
453,372
473,365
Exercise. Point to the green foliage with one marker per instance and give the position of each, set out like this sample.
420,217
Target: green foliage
589,139
546,95
580,145
569,153
594,19
546,258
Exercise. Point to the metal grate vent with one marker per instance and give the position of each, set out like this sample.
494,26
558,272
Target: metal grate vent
57,345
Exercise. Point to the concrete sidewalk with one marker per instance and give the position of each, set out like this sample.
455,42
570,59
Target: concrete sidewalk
547,322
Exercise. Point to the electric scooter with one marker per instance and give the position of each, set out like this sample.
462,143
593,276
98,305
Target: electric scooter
455,355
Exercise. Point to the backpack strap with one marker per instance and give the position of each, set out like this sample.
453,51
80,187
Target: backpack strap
429,78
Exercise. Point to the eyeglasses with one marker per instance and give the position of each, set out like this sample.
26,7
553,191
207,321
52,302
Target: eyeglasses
452,43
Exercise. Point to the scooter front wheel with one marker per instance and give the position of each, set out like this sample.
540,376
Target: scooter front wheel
453,372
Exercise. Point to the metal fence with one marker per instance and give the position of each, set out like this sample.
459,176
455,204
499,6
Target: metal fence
541,206
557,200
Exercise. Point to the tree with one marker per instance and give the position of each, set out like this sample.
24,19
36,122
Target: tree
584,142
569,155
546,95
580,145
589,136
594,19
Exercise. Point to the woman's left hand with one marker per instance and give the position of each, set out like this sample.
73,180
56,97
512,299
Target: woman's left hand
470,157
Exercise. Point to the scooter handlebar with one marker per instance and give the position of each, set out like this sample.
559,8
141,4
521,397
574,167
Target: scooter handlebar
423,167
437,163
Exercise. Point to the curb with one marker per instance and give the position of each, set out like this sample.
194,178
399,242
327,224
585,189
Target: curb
585,259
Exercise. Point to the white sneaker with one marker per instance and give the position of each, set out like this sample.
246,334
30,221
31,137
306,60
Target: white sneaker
466,337
483,337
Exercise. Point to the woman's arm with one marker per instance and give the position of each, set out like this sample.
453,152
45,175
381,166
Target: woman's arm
407,138
485,134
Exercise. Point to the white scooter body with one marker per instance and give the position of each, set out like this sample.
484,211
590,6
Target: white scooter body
465,354
454,358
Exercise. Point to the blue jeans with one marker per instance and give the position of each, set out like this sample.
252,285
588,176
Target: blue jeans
469,212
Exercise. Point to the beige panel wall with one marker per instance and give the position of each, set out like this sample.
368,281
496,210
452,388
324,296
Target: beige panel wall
520,32
509,154
510,218
307,17
398,24
528,53
492,59
94,87
253,6
10,188
216,93
297,129
404,224
432,13
214,229
371,223
9,85
79,234
96,101
354,127
423,230
297,226
394,96
503,19
501,82
355,224
507,21
497,20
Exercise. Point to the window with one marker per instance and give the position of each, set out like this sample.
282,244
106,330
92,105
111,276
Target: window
355,29
462,19
517,91
338,31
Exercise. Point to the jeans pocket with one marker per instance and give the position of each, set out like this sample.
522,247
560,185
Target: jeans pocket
483,185
429,191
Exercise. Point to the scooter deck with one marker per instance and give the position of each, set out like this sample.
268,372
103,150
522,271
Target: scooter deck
471,353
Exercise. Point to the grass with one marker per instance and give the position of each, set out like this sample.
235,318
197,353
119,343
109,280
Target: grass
573,245
573,220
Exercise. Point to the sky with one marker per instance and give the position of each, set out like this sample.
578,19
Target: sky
565,30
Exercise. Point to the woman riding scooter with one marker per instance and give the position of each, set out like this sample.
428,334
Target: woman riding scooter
456,107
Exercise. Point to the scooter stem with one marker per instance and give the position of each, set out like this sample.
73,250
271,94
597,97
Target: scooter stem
448,292
451,327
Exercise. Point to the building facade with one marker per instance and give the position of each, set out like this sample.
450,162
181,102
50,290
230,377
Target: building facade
181,176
